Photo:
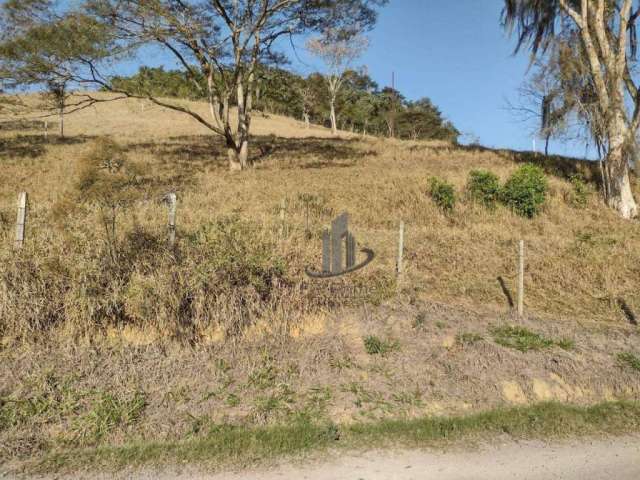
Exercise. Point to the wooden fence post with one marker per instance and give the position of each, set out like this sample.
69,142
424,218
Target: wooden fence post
399,266
46,131
22,219
521,278
172,200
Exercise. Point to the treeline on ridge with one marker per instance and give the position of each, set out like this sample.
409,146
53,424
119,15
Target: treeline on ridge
362,106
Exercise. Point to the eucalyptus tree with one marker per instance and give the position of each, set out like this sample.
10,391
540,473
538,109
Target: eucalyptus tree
337,48
605,35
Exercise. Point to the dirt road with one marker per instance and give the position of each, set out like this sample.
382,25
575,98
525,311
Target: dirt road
613,459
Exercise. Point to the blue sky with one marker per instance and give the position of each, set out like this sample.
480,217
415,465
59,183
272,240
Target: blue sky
456,53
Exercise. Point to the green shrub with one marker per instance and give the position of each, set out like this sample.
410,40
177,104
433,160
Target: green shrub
526,190
484,187
376,346
443,194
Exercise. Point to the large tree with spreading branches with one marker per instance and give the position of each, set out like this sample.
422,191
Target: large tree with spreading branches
219,44
601,36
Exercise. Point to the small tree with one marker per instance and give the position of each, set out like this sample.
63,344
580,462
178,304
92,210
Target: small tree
56,96
337,48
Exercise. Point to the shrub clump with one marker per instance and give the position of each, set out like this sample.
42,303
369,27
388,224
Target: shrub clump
526,190
484,187
443,194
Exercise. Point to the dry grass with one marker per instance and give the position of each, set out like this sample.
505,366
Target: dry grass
263,344
581,262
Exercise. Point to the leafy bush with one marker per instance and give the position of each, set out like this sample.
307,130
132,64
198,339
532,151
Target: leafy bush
484,187
526,190
376,346
443,194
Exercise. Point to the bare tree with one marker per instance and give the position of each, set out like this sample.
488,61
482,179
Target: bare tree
605,31
337,48
308,99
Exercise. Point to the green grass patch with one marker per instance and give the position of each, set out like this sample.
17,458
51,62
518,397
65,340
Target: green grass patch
630,360
377,346
237,446
525,340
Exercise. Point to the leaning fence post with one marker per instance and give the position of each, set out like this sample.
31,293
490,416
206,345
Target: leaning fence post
399,266
172,200
22,219
521,278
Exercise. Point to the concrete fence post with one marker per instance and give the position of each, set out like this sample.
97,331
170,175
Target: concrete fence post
521,278
21,220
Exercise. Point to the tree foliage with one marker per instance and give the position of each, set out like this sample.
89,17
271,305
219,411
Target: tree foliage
361,105
219,45
590,47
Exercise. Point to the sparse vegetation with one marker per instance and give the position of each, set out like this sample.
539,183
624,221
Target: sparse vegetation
235,286
468,338
420,320
526,190
228,445
525,340
376,346
630,360
580,192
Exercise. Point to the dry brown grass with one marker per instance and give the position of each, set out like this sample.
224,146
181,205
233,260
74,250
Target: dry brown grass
581,262
265,346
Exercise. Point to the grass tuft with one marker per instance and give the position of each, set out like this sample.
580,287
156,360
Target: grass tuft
376,346
524,340
630,360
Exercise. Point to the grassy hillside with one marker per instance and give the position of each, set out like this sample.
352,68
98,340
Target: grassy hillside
89,323
581,262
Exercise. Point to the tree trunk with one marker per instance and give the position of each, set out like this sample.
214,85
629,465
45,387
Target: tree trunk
238,154
618,184
334,123
61,121
243,154
234,159
546,145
